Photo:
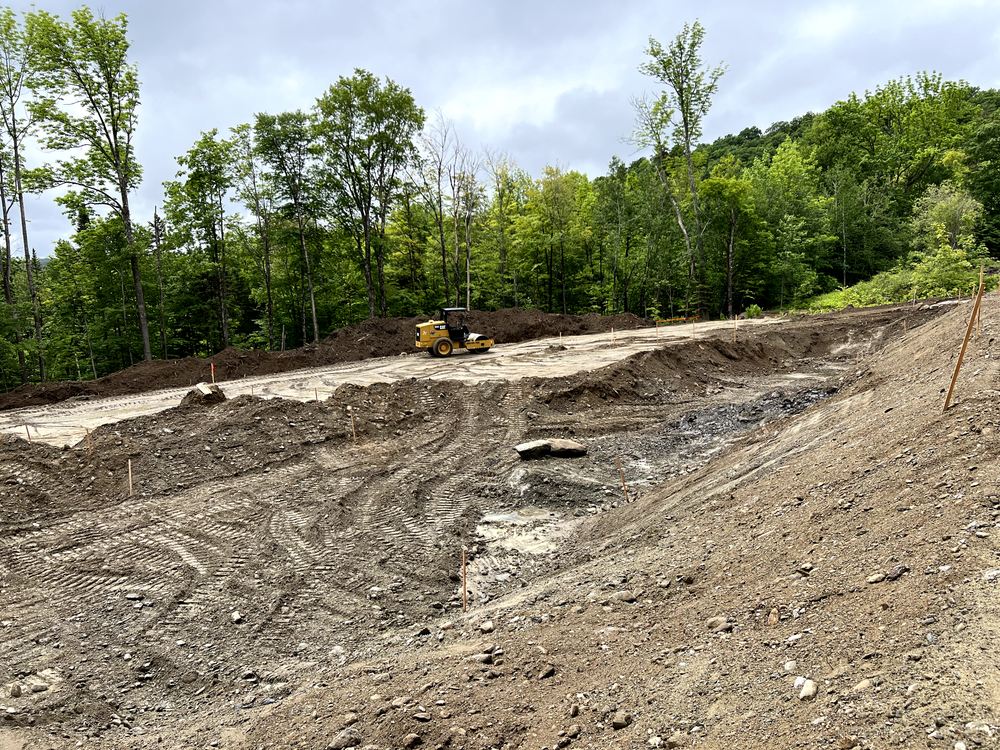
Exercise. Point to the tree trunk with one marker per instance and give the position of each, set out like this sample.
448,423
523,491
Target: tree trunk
729,260
221,268
159,282
7,291
140,302
309,279
32,292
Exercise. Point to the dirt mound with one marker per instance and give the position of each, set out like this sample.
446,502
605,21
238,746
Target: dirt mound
800,512
373,338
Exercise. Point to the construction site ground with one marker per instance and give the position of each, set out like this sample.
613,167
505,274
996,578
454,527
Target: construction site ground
804,553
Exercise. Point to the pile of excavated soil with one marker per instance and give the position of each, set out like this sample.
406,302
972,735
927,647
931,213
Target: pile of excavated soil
379,337
806,557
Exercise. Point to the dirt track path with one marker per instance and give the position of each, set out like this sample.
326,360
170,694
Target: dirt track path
67,422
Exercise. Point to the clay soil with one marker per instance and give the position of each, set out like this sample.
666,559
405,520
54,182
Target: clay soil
800,513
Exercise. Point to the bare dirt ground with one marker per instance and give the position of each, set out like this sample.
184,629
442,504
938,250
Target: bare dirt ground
807,556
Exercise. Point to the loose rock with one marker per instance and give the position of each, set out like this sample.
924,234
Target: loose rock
621,720
808,691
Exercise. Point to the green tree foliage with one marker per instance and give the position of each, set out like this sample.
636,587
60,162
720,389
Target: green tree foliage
300,222
366,131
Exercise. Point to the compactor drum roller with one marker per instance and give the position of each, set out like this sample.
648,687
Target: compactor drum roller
442,337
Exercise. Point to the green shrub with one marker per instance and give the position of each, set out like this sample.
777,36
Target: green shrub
754,311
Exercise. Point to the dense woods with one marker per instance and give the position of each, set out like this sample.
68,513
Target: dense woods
277,231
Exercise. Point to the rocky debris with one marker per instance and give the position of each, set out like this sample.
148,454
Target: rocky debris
411,740
204,394
876,578
809,690
236,617
772,618
349,737
623,596
487,627
621,719
719,624
555,447
15,690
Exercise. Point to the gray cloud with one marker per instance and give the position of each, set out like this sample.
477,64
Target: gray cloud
548,81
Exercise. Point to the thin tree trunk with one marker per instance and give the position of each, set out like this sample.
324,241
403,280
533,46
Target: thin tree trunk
7,291
309,280
32,292
140,302
159,282
729,260
221,269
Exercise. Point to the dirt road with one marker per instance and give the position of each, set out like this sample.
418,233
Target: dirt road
66,423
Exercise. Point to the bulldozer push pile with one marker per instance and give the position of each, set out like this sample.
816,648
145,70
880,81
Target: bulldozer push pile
443,336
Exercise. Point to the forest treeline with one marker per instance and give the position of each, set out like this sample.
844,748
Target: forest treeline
282,229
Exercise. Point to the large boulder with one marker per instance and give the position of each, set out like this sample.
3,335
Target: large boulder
557,447
204,394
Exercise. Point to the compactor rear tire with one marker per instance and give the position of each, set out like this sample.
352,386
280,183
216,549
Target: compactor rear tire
443,347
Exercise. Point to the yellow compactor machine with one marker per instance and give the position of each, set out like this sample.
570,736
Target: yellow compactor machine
442,337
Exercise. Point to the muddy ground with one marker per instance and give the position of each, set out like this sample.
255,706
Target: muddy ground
806,556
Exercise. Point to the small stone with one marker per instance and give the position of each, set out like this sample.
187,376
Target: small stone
423,631
487,627
15,690
446,626
574,710
713,622
547,671
621,720
914,656
876,578
236,617
133,597
411,740
376,698
623,596
400,702
574,731
808,691
422,716
350,737
862,686
896,572
772,621
350,718
655,741
677,740
791,666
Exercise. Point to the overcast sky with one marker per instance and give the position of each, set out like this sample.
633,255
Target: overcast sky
547,81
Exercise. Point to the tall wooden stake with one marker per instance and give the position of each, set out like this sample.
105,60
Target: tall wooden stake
734,329
355,434
29,436
213,372
90,447
622,475
961,354
980,313
130,477
464,588
316,394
